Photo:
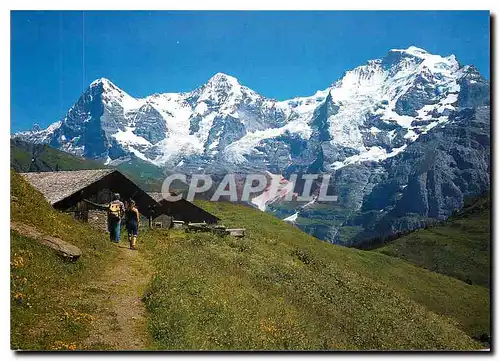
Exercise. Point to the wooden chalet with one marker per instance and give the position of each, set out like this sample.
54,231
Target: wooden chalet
67,190
181,210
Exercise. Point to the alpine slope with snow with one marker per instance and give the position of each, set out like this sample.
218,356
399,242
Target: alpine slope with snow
379,116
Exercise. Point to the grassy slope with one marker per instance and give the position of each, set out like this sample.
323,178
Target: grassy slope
459,248
279,288
45,313
46,158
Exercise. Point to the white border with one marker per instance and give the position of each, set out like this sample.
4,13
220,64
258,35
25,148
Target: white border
5,352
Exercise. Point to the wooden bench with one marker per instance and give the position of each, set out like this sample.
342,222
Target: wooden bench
218,230
197,227
178,224
236,232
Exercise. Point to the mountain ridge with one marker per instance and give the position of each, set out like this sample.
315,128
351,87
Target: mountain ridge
222,96
376,129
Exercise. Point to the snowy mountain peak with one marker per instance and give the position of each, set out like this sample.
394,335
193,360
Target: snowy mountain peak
112,95
421,56
220,89
105,82
221,78
412,50
109,88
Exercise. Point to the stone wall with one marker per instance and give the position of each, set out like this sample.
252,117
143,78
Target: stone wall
98,219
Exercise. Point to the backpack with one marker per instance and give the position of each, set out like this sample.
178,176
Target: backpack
114,211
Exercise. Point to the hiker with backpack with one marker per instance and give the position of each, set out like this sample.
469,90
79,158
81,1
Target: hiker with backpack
132,220
116,209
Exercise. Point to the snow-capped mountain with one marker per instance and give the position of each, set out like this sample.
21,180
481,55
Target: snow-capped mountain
362,126
107,124
409,91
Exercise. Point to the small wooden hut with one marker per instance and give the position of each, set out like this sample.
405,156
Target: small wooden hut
182,210
67,190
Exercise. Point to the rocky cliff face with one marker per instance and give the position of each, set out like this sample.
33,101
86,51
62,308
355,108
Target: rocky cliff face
430,179
405,136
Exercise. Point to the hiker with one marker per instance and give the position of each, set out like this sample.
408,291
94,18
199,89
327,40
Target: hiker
132,219
116,209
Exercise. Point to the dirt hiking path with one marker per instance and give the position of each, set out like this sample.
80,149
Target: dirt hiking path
120,323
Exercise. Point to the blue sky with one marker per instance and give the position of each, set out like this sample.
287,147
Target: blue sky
55,55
